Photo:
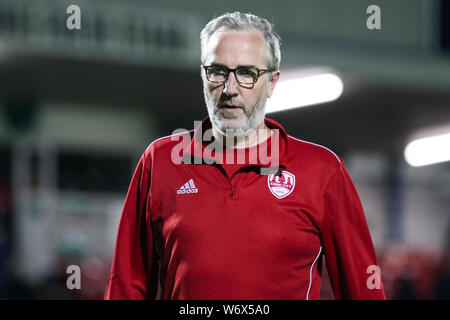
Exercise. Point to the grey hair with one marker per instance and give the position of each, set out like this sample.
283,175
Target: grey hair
243,21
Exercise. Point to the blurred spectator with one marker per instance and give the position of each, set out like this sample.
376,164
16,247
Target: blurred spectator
442,282
414,273
408,274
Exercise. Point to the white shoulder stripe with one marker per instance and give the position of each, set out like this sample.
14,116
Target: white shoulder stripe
170,135
310,273
318,145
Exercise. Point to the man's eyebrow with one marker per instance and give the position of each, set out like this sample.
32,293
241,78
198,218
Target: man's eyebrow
248,66
217,64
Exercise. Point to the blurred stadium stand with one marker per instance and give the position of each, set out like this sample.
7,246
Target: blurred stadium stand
78,108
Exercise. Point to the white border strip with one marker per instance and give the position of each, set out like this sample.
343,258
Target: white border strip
310,273
168,136
318,145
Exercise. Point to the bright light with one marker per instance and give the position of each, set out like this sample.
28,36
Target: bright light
305,91
426,151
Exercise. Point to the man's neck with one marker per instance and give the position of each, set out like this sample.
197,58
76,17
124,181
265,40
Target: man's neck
255,137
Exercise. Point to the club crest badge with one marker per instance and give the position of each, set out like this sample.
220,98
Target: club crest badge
281,186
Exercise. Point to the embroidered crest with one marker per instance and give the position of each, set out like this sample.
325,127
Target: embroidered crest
281,186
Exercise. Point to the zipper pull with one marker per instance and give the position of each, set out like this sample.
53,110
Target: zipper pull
232,192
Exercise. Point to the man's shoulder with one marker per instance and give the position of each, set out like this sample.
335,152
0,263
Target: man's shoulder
313,152
166,143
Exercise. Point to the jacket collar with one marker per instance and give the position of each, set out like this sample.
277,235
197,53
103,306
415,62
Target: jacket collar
202,148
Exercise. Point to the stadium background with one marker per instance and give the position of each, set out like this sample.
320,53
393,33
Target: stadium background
78,108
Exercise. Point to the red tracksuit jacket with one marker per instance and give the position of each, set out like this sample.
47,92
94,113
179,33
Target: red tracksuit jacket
207,231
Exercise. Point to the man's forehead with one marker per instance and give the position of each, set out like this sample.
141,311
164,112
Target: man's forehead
249,36
245,43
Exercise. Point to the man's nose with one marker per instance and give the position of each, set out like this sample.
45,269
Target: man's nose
231,86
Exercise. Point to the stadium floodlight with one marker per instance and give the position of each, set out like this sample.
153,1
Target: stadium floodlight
427,151
305,91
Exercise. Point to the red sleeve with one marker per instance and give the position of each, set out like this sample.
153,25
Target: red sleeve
130,271
349,252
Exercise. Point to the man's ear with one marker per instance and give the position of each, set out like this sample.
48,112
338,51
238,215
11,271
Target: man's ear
273,82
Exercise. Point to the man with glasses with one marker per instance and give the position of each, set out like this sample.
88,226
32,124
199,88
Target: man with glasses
232,227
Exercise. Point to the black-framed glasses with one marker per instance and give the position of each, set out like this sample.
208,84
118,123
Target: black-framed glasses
245,76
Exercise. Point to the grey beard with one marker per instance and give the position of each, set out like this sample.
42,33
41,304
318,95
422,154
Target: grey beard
252,119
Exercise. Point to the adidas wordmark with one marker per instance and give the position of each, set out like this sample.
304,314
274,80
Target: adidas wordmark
188,187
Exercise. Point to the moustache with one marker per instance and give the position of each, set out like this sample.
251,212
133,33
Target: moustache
227,102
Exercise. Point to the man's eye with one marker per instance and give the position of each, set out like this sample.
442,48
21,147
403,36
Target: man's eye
220,71
247,72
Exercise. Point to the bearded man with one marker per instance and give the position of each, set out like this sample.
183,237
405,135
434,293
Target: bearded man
251,214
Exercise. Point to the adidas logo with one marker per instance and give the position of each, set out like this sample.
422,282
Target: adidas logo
188,187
